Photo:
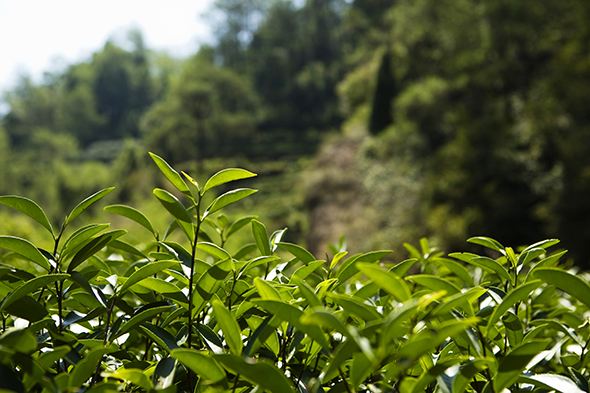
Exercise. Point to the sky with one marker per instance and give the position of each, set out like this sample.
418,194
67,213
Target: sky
40,35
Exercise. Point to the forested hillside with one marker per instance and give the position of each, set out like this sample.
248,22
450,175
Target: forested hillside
407,118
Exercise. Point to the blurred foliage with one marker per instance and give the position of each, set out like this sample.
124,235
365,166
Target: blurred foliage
450,117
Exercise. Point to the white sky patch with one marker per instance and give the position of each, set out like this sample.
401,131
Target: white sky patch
40,35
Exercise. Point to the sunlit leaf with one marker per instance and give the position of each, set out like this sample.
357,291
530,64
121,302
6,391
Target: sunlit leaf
26,249
28,207
226,176
86,203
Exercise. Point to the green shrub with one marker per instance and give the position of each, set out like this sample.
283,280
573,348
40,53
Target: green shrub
94,313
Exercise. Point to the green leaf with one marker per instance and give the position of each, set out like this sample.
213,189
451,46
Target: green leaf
19,340
556,382
353,305
173,177
92,247
387,281
27,308
28,207
228,198
567,282
265,375
201,363
292,314
515,362
134,376
173,205
459,300
226,176
348,268
161,336
297,251
213,250
229,326
337,258
31,286
266,290
261,237
209,283
490,265
304,271
544,244
517,294
26,249
141,317
486,242
84,369
80,237
145,271
132,214
86,203
238,224
158,285
434,283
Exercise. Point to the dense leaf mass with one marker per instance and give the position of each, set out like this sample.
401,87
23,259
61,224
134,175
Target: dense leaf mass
188,312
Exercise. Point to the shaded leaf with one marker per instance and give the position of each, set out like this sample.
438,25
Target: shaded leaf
265,375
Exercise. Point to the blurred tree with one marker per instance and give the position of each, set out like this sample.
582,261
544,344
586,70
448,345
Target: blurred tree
209,112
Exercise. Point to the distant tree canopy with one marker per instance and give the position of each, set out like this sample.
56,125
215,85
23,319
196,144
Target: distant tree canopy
485,101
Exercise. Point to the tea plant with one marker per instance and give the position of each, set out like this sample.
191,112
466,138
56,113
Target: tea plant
184,313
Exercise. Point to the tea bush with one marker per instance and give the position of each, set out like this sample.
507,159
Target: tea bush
93,313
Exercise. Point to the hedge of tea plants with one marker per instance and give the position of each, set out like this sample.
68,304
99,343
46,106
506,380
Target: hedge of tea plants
185,312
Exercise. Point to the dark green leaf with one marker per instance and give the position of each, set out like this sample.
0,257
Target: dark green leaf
141,317
92,247
265,375
161,336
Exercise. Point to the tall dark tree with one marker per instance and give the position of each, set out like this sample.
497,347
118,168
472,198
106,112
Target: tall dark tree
385,91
